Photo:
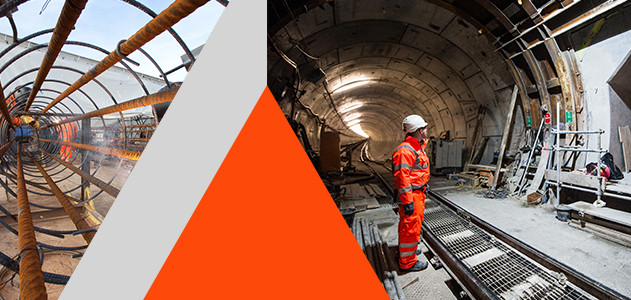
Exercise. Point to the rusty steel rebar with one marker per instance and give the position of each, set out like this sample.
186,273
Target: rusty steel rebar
119,127
133,155
4,109
6,147
167,18
33,113
98,182
67,19
72,211
131,139
31,276
43,188
159,97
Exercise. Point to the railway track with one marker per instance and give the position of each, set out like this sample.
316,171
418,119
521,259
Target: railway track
487,262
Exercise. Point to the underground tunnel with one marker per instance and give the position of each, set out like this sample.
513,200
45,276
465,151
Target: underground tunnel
519,96
76,114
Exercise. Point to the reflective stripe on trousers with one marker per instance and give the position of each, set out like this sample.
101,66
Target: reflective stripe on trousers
410,231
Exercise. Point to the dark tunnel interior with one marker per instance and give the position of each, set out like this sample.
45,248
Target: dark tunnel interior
359,67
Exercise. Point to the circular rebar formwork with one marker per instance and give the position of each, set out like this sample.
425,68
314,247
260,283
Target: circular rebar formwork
70,125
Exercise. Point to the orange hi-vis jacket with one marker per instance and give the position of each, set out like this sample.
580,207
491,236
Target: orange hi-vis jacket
68,133
10,104
410,167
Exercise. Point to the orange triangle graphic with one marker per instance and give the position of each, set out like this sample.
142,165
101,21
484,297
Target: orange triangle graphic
266,228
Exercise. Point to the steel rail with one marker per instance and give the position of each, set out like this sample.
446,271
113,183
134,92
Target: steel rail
85,175
167,18
133,155
159,97
585,283
69,14
465,278
31,276
473,285
72,212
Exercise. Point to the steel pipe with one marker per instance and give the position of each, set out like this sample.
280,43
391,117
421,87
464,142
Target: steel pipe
578,188
69,14
397,285
159,97
72,212
167,18
133,155
31,276
579,131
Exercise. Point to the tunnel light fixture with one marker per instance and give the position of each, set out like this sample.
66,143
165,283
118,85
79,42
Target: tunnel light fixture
351,85
357,128
352,106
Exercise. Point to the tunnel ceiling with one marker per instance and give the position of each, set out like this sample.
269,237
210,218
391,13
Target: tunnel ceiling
387,60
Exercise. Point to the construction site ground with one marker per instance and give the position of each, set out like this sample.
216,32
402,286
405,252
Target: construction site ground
59,262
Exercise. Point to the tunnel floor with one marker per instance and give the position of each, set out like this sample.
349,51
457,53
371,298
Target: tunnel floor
602,255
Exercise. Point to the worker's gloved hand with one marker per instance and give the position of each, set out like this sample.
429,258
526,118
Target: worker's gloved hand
408,209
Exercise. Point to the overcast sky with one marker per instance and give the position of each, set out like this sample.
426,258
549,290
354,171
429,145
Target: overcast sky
105,22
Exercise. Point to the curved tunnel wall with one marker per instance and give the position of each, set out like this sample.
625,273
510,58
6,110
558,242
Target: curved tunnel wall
411,57
441,59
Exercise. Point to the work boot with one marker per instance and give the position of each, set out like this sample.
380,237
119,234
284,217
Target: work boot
418,266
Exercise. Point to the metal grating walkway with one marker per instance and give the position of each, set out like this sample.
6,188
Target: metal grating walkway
506,273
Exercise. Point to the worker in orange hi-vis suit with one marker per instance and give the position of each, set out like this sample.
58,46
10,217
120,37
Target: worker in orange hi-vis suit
410,167
10,104
67,133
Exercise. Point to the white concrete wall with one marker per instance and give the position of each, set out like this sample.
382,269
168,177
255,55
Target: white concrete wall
597,63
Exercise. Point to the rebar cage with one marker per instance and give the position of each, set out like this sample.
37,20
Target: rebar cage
65,118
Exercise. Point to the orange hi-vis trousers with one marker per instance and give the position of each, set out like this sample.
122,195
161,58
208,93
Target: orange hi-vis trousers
66,153
410,230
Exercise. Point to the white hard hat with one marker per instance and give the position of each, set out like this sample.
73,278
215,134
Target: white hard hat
412,123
